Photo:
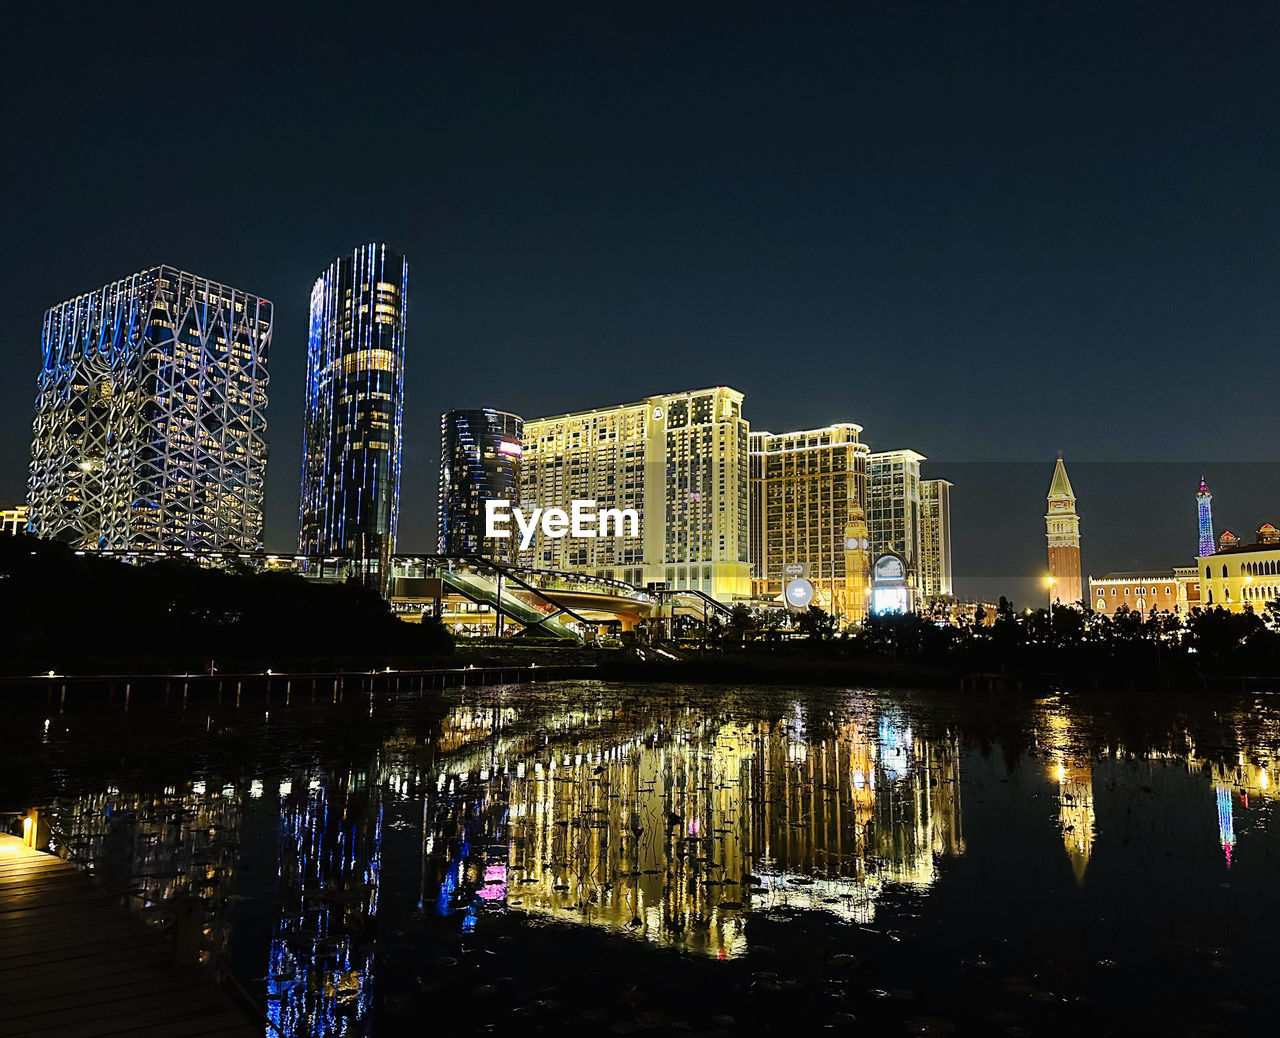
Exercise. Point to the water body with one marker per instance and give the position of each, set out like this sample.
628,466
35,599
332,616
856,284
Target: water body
589,858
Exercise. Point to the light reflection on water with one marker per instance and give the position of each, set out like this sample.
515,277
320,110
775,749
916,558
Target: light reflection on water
634,814
676,829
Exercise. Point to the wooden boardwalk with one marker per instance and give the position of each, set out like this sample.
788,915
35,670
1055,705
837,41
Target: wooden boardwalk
75,963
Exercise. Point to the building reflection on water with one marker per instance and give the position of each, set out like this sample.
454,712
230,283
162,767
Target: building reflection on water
1071,766
160,850
676,829
672,824
320,974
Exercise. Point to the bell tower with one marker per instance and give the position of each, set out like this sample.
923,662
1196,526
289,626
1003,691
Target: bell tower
1062,528
1204,515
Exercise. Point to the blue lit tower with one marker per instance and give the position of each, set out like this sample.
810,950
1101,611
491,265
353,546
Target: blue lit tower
1204,506
350,500
480,453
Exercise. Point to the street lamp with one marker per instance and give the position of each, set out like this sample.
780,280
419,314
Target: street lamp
1052,581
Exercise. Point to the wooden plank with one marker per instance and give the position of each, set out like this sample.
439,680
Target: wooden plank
105,991
55,896
128,1015
57,974
11,870
74,961
65,925
37,881
109,944
230,1024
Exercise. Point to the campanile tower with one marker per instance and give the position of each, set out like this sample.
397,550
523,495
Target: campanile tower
1062,528
1204,513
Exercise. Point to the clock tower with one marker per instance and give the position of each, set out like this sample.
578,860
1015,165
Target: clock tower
1062,528
857,566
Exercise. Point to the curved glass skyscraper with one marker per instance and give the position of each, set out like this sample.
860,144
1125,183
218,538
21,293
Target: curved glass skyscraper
480,452
350,500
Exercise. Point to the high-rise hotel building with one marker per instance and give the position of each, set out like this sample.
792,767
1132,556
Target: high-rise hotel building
680,460
935,539
150,423
893,512
480,457
350,499
808,515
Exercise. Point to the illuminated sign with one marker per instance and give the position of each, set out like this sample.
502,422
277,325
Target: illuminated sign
510,449
799,593
889,567
889,600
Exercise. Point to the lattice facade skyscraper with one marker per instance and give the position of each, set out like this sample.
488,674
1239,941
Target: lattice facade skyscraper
1204,510
350,498
150,424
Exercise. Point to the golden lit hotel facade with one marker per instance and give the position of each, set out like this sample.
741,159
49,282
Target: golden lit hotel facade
679,459
808,518
1239,575
935,538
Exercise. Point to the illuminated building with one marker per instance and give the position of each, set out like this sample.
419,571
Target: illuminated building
893,514
680,460
935,538
808,500
1204,515
150,423
1144,591
13,521
480,452
350,499
1238,574
1062,529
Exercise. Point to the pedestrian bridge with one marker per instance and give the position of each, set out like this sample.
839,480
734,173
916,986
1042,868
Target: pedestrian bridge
562,604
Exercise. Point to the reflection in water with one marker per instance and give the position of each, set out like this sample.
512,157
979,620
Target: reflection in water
675,827
674,824
160,850
1226,823
1075,814
321,964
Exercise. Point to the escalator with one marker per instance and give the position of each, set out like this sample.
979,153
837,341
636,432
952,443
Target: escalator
699,604
492,586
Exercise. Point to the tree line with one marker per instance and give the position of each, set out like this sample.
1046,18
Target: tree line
83,613
1070,639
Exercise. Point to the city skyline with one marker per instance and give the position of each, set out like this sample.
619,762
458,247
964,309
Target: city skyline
849,212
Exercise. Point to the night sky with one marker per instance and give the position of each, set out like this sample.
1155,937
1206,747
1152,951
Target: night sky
983,231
